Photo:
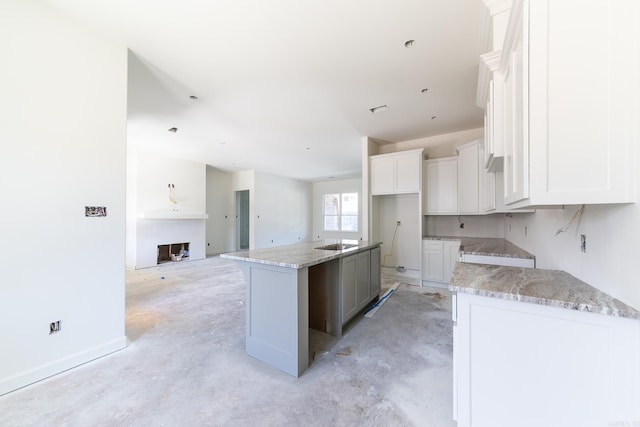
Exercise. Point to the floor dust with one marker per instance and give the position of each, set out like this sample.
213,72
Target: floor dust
185,363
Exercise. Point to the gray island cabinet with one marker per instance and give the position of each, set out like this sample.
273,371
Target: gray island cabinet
319,285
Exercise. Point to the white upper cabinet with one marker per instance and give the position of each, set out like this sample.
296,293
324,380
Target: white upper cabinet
459,185
469,178
441,186
571,91
476,185
396,173
494,20
487,185
493,110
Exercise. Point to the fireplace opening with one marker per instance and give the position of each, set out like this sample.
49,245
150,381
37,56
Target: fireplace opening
173,252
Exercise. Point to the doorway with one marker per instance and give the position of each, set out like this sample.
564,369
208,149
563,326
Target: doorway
242,220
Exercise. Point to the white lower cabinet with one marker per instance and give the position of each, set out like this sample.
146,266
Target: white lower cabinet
438,259
433,260
522,364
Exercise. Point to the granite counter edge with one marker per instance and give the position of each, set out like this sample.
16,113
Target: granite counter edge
298,266
590,308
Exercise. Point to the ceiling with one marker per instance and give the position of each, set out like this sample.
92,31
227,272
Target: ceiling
286,86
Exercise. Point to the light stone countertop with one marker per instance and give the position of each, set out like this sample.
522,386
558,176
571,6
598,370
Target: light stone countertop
299,255
487,246
546,287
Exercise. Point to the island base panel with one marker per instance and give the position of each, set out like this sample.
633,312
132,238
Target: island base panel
277,316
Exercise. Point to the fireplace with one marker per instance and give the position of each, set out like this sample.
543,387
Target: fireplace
173,252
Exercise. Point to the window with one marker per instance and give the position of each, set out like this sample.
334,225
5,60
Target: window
341,212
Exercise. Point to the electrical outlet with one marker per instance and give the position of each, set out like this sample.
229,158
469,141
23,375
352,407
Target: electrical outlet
54,327
583,243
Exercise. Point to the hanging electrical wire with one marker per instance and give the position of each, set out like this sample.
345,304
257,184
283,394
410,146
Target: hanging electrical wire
171,199
393,242
576,216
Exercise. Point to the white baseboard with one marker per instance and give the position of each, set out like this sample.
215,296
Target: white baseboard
42,372
435,284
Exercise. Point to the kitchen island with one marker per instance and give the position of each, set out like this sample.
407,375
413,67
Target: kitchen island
537,347
321,284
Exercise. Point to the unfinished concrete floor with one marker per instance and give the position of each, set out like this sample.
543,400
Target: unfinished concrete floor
185,364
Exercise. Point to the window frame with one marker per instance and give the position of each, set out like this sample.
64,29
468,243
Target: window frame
340,215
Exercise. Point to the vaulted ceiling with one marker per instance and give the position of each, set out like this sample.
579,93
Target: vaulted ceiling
286,86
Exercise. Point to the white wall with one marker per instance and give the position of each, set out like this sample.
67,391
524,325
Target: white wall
329,187
474,225
156,171
131,247
436,146
153,174
611,260
406,249
281,211
241,181
63,116
220,236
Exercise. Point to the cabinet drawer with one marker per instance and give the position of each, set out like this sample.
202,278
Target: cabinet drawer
433,245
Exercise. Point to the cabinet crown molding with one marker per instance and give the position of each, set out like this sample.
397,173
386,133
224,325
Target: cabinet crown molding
489,63
490,9
514,29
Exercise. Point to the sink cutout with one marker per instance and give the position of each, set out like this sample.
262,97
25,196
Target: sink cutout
336,246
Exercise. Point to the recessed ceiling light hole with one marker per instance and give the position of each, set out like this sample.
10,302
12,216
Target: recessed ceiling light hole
425,90
193,97
174,130
409,43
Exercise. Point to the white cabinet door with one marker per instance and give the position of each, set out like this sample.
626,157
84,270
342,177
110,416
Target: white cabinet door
441,186
407,170
476,185
433,260
487,186
439,257
488,127
494,159
468,178
512,356
382,175
572,133
396,173
451,256
516,136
